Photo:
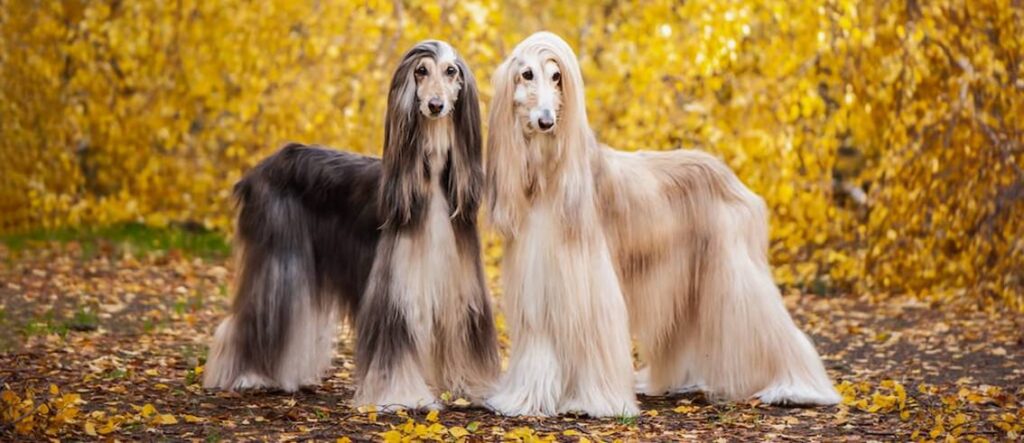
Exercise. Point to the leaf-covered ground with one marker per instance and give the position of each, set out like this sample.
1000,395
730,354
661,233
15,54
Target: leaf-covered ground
102,339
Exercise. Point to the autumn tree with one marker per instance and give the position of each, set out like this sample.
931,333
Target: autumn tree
885,136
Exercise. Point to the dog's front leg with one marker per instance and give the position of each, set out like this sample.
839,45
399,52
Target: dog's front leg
390,368
596,342
534,383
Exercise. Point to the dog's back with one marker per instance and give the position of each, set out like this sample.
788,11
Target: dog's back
306,238
332,196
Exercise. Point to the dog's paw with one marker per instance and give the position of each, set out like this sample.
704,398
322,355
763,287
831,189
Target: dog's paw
517,406
789,394
642,381
409,404
605,409
250,381
643,384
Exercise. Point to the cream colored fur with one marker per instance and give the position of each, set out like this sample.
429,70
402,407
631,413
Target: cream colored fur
674,236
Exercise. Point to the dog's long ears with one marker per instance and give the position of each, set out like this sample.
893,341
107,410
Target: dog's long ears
403,194
508,170
464,175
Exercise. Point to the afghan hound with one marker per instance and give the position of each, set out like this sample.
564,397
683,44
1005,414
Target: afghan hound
674,238
390,243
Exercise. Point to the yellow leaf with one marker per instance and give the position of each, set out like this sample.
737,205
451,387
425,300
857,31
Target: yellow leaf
939,429
522,432
684,409
432,416
391,436
107,428
570,432
151,372
458,431
90,428
192,419
786,193
148,410
436,429
165,419
54,390
343,440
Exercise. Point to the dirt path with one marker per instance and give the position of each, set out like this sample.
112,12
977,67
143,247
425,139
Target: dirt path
127,337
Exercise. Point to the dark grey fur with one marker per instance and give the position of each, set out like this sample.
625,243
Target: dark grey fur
317,210
383,335
312,221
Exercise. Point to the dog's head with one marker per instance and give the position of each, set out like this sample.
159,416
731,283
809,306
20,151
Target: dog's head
538,92
430,79
538,95
541,84
432,84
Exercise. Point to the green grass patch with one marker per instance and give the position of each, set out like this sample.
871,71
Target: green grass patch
84,320
44,325
128,237
115,374
627,420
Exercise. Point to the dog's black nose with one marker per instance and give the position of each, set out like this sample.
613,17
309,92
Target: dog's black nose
435,105
545,123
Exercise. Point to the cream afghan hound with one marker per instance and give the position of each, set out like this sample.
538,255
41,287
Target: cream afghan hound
674,238
390,243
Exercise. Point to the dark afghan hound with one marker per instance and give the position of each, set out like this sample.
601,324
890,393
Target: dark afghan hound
390,243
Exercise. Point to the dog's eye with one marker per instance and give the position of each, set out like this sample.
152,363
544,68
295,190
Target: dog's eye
451,71
422,70
556,77
528,75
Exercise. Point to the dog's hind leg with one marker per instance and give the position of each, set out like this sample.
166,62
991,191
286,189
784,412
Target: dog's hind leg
749,343
278,335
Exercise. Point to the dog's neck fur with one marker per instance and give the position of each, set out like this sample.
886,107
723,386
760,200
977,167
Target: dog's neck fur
438,135
544,163
549,162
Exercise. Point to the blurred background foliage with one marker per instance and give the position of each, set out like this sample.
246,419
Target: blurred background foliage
886,136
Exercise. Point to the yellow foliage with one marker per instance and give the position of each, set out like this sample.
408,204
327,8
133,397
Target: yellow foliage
413,431
29,414
890,396
886,137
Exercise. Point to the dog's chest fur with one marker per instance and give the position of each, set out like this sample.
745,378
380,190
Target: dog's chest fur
424,257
